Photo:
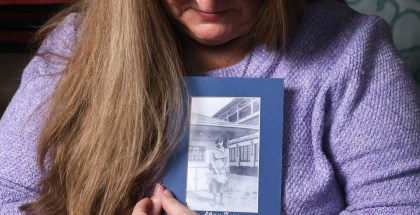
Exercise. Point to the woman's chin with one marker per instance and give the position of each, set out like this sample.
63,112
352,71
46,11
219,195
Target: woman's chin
211,38
211,41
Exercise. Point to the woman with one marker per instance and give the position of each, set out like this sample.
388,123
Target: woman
219,162
101,105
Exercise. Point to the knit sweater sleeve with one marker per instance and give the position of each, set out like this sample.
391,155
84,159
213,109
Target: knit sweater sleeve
375,131
21,123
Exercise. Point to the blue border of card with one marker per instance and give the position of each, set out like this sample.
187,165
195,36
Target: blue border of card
271,92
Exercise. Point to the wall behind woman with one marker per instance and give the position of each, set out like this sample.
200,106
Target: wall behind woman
19,20
404,18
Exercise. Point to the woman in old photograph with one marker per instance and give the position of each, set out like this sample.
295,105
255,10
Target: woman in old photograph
100,106
219,165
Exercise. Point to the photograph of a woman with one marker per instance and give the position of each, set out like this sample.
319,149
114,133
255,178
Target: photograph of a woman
223,157
219,160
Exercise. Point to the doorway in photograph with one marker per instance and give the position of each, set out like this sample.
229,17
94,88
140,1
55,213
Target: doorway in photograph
223,155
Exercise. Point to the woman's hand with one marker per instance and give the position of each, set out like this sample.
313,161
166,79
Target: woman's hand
147,206
161,199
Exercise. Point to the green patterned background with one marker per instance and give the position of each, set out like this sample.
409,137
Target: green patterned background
404,18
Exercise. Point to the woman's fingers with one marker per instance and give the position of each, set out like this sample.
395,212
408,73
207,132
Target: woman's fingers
143,207
150,206
161,199
172,206
157,203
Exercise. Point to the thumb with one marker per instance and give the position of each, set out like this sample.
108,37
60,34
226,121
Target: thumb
172,206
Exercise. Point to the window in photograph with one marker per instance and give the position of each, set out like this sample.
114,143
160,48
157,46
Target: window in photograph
232,154
197,153
244,102
255,121
245,153
244,111
257,155
233,117
255,106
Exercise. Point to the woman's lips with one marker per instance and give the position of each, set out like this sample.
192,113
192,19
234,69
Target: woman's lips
210,16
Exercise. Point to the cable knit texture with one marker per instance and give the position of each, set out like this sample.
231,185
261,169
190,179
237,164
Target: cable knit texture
352,116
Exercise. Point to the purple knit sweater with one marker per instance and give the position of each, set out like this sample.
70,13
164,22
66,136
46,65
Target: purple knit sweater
352,117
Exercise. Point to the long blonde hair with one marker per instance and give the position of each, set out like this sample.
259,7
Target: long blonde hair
117,112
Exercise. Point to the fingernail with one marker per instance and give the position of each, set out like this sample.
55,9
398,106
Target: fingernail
168,193
158,190
155,199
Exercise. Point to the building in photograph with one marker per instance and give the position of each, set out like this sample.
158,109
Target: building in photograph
243,149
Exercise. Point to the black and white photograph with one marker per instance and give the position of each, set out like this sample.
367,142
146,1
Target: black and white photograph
223,155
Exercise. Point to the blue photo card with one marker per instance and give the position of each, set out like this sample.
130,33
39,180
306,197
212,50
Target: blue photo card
229,160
